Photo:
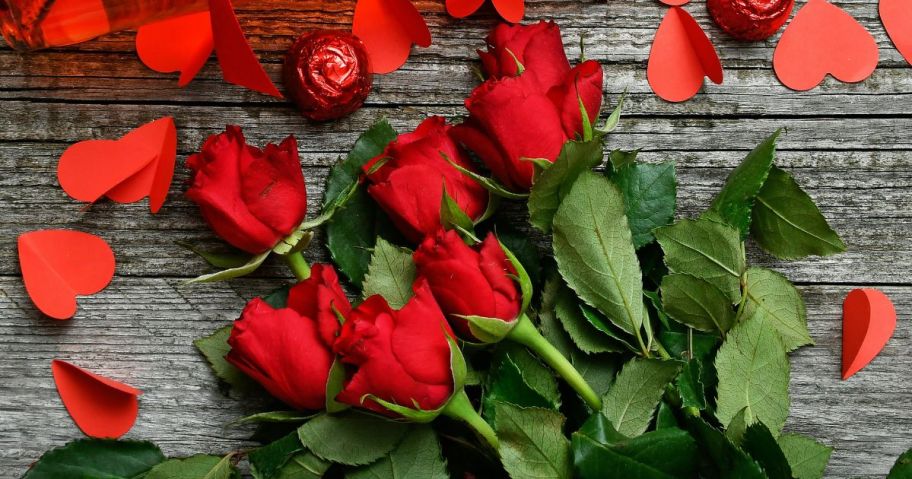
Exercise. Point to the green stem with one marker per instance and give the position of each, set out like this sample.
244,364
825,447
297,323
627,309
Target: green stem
661,349
526,334
298,265
461,408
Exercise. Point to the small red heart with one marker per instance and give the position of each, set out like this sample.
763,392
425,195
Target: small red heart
58,265
139,164
510,10
388,29
868,321
896,16
181,44
680,57
823,39
102,408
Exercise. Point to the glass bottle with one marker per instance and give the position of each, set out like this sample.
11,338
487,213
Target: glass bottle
34,24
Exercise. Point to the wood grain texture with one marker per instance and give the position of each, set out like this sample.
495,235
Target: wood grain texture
848,145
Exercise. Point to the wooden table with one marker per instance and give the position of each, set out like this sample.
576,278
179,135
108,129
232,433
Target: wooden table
848,145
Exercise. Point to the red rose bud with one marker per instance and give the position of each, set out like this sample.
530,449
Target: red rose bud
401,357
538,48
582,83
408,178
469,281
289,350
251,198
509,120
750,20
327,74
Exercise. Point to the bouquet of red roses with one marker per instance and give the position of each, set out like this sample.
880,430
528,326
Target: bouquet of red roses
441,342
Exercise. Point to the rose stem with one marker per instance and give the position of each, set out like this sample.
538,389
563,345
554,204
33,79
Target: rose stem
461,408
298,265
526,334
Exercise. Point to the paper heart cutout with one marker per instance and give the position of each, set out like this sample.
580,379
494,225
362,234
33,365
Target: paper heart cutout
102,408
896,16
510,10
58,265
675,3
680,57
238,62
823,39
868,321
158,50
388,29
139,164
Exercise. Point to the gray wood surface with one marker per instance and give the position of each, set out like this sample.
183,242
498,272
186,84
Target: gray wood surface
849,145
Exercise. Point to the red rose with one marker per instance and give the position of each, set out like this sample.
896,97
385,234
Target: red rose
251,198
408,184
402,357
469,281
511,119
538,48
289,350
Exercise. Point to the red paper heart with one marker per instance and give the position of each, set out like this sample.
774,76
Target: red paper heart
510,10
158,48
868,321
238,62
896,16
680,57
58,265
102,408
139,164
823,39
388,29
675,3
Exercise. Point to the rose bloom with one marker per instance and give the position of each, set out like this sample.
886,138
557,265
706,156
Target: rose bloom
251,198
469,281
402,357
289,350
512,118
407,179
537,47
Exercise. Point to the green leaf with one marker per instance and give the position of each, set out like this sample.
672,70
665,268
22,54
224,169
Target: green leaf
599,429
665,417
902,469
267,461
507,383
351,231
278,298
96,459
555,182
390,274
667,453
524,248
753,370
532,444
762,446
594,251
632,400
738,426
621,158
586,337
650,197
199,466
606,327
231,273
779,301
722,459
303,465
696,303
808,458
538,376
335,382
219,260
214,348
788,224
735,201
706,249
351,438
690,385
417,456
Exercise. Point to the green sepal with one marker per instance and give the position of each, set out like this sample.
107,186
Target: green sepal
274,417
457,364
522,277
487,183
612,122
520,68
301,237
293,243
453,218
334,384
232,273
584,115
219,260
488,330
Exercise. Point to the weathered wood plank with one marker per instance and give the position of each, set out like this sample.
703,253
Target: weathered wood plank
140,330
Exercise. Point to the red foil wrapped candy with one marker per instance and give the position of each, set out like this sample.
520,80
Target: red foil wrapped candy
750,20
327,74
